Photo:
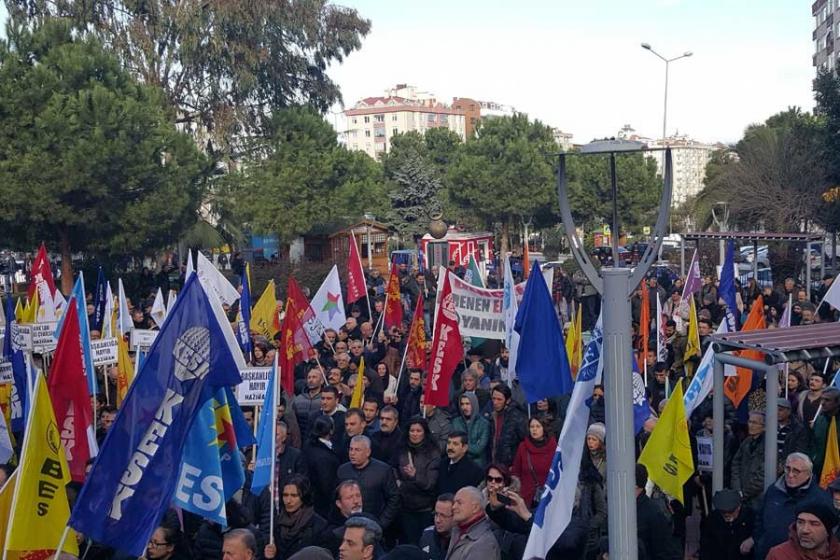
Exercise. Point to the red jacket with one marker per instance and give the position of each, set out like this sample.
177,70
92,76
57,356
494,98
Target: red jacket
540,459
791,550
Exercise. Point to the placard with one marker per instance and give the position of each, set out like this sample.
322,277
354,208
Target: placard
22,336
104,351
43,337
254,383
6,373
704,453
143,338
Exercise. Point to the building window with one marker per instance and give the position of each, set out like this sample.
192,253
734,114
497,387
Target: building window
394,116
379,118
354,120
394,131
367,133
367,119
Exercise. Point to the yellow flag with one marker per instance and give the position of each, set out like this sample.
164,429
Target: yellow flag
359,390
574,343
831,464
40,509
667,454
264,320
125,369
19,311
6,494
692,345
30,312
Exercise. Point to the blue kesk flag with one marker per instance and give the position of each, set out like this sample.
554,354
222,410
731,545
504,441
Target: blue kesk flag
13,354
264,465
134,477
541,362
554,511
244,326
726,287
211,470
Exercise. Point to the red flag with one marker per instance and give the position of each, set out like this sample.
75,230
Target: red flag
70,397
356,287
416,357
393,304
447,348
526,261
736,387
42,280
294,342
644,324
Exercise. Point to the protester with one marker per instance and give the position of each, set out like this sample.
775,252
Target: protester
472,536
435,539
460,470
811,535
748,463
322,464
417,476
728,531
380,494
533,460
297,525
475,426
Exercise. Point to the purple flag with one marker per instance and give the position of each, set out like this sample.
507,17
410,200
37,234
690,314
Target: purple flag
693,281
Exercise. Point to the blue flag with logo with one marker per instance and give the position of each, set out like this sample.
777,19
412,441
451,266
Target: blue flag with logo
78,299
266,458
211,469
541,362
641,408
726,287
133,479
13,355
244,433
100,297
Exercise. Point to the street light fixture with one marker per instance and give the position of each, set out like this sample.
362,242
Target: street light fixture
667,61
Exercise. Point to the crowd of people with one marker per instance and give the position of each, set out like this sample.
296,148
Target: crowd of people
399,478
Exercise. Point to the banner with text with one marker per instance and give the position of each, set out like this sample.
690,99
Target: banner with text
254,383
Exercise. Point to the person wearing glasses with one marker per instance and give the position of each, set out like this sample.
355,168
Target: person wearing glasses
435,539
162,545
748,463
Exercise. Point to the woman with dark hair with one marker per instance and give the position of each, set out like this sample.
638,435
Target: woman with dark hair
164,544
533,460
297,525
417,475
383,382
322,463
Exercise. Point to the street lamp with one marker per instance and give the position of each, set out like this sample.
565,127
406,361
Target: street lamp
668,61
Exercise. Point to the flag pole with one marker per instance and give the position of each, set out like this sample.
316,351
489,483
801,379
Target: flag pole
402,364
60,543
271,488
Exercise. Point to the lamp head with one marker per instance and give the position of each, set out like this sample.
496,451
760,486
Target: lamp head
646,46
688,53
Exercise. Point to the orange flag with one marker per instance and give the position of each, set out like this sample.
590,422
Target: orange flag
393,303
831,465
526,261
736,387
644,324
416,356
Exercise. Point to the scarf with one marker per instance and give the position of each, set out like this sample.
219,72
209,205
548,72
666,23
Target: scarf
291,524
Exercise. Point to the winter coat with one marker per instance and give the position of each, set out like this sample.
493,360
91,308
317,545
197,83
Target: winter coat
304,405
441,427
533,474
322,464
433,544
416,493
454,476
477,543
380,495
791,550
797,439
720,540
478,432
505,439
776,512
655,531
309,535
748,470
387,446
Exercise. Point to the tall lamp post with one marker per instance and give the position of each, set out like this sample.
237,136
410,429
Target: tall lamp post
668,62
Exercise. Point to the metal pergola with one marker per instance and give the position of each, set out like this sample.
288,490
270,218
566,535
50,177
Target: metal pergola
780,346
755,238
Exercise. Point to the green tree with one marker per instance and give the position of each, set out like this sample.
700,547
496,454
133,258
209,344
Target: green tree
225,65
306,180
88,157
415,197
504,175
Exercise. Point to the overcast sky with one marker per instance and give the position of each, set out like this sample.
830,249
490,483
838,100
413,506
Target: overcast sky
577,65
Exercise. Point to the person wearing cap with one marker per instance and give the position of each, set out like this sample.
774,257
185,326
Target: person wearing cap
792,435
728,527
830,404
811,535
596,446
777,510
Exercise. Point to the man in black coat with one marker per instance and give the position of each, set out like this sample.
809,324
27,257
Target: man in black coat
329,407
388,441
654,528
726,528
508,426
380,494
459,471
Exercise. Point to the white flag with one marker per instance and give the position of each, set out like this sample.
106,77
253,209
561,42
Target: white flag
158,309
107,322
59,303
170,302
832,296
124,321
661,339
704,378
328,307
6,450
554,512
190,268
214,281
510,306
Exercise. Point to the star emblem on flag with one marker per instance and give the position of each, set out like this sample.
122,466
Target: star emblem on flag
332,304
